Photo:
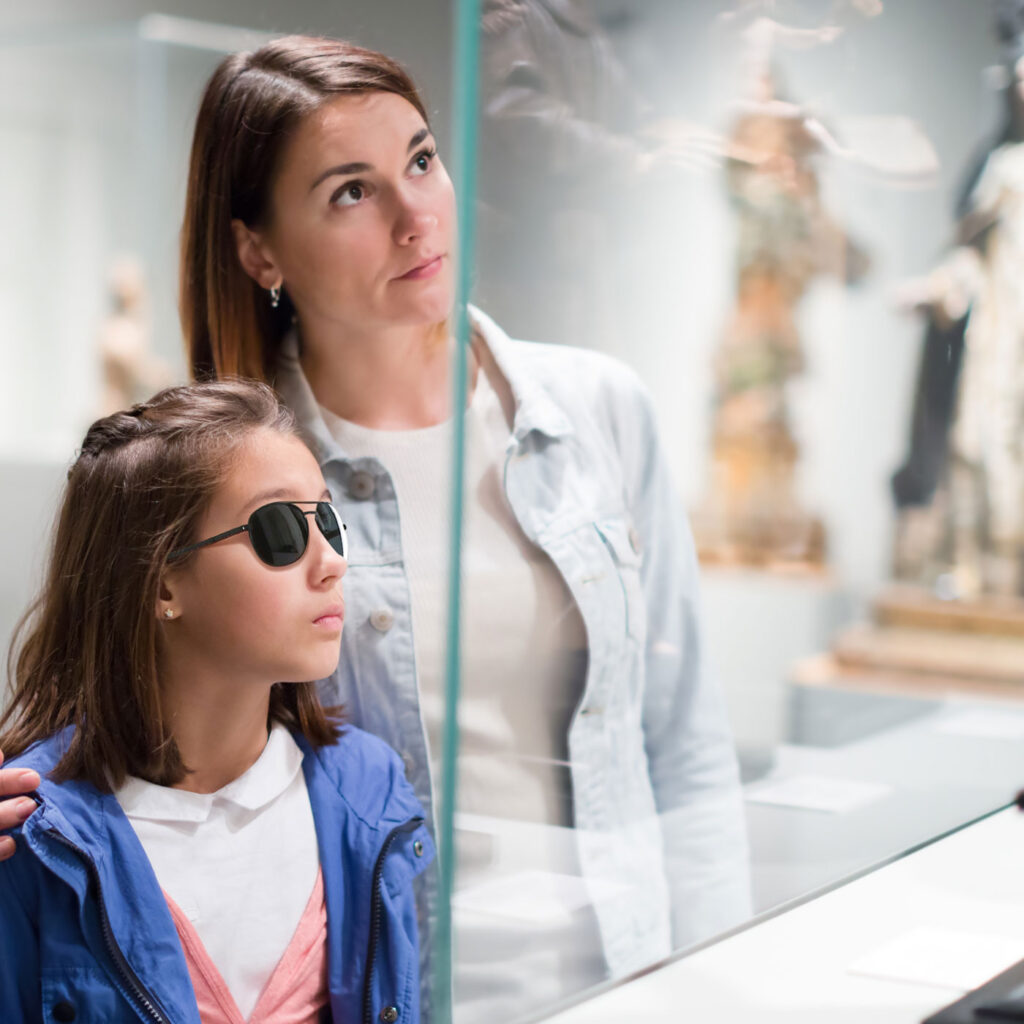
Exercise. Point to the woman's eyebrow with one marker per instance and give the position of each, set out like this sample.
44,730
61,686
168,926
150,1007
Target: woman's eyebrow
361,167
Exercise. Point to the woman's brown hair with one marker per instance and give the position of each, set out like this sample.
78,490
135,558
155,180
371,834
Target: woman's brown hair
86,652
251,106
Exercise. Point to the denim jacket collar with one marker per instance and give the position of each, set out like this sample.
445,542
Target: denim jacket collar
535,409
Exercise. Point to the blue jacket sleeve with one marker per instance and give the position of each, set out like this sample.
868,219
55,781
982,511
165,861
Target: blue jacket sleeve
20,984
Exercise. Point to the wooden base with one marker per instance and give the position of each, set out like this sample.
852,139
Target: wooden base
915,608
825,670
923,645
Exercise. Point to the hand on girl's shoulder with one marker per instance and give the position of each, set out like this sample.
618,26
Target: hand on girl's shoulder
16,783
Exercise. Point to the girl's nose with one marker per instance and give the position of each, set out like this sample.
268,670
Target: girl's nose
329,565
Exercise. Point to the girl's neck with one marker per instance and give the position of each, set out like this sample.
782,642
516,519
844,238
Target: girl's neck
391,380
219,726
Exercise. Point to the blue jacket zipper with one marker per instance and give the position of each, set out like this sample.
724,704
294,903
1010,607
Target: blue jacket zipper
132,983
375,913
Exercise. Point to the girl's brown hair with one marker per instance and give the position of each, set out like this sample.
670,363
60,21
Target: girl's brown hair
251,106
85,653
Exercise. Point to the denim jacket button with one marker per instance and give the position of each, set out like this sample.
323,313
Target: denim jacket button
389,1014
64,1012
382,619
361,486
417,848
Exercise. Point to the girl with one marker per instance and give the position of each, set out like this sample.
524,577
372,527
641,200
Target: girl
210,842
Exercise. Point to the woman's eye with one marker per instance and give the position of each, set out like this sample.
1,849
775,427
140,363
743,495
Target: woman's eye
349,195
422,161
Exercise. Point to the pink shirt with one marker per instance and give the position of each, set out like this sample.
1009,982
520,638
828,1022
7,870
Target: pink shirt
297,989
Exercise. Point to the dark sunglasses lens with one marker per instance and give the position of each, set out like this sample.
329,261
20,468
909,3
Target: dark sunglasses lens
332,527
278,533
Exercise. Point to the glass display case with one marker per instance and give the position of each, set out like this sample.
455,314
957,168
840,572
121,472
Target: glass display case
768,241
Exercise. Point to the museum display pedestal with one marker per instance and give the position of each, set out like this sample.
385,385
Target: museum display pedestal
755,625
920,644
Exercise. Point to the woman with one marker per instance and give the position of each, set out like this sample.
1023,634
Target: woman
195,581
317,254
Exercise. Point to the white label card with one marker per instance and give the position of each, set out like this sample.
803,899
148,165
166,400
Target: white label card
816,793
942,957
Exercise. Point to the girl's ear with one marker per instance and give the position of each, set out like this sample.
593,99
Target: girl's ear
253,256
167,607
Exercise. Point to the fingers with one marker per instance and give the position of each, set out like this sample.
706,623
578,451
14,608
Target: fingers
16,781
14,811
14,807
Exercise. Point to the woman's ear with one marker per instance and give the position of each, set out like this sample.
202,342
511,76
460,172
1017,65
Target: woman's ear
253,255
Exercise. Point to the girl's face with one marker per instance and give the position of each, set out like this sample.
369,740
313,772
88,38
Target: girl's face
236,614
362,218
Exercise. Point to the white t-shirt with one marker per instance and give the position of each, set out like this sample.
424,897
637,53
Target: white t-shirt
524,664
240,863
523,642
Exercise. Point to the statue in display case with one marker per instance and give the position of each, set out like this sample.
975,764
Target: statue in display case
785,239
131,372
955,617
964,536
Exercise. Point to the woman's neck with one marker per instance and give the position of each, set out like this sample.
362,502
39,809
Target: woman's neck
391,380
219,725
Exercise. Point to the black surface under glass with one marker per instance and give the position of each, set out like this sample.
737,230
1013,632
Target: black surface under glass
1000,999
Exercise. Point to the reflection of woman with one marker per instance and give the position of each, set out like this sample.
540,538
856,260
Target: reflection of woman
317,252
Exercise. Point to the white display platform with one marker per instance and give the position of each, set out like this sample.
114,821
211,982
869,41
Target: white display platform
756,626
951,910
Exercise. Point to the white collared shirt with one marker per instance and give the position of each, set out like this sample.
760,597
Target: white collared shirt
240,862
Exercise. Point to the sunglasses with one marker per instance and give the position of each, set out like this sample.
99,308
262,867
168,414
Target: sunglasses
279,532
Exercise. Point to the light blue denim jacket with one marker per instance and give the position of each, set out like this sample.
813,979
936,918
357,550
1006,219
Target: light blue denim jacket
656,798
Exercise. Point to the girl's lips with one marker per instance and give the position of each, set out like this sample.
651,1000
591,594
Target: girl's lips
423,271
332,619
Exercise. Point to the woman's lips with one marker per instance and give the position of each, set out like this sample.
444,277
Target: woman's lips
423,271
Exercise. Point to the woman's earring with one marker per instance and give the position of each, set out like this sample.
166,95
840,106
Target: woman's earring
275,296
169,613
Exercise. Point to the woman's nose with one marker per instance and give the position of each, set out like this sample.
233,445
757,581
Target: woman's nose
415,222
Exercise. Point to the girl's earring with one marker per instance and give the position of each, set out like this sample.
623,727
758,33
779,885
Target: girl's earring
275,296
169,613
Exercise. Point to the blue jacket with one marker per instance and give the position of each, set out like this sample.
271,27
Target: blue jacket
83,921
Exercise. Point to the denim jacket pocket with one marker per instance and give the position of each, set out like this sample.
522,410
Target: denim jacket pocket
621,540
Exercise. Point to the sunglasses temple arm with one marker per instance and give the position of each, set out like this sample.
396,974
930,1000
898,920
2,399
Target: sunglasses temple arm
181,552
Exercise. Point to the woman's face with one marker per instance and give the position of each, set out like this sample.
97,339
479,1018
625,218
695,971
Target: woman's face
234,613
362,217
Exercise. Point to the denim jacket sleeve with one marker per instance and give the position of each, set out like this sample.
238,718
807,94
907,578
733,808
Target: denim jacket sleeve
692,761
